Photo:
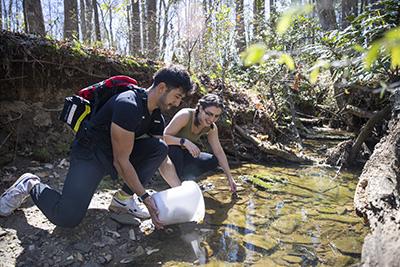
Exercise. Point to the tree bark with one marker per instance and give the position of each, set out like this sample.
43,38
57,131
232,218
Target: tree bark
377,199
83,20
89,23
349,8
152,42
33,17
136,39
259,17
366,132
240,29
1,15
71,28
326,14
96,21
9,14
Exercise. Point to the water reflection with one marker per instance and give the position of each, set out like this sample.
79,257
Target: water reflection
303,217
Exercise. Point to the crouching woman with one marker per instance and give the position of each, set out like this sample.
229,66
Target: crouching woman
183,133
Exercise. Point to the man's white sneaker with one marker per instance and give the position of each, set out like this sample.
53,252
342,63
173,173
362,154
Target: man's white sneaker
17,193
130,205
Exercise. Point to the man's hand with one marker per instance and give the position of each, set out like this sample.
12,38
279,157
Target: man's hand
153,210
192,148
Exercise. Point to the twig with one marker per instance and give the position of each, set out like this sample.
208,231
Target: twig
5,139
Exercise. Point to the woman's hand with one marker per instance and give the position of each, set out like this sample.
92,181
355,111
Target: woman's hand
153,210
192,148
232,184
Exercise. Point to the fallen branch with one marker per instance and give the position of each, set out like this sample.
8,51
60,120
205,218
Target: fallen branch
366,131
356,111
272,150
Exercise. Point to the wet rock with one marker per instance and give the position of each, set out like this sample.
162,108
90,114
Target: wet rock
263,242
326,210
292,259
287,224
339,218
126,219
349,246
299,239
266,261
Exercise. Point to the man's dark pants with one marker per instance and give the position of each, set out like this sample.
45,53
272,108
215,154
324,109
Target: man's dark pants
87,167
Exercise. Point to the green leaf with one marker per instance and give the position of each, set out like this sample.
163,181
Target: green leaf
395,56
371,55
290,15
359,48
287,60
253,54
314,75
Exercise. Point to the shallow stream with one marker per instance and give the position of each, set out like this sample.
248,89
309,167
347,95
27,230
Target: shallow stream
305,217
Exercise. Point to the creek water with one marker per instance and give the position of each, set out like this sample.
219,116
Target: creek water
303,216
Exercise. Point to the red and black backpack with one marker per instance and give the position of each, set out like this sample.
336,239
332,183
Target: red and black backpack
90,99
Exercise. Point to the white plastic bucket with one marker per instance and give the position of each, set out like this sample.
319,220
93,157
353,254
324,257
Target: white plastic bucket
180,204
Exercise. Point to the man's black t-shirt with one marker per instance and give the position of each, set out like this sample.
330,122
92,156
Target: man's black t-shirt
129,111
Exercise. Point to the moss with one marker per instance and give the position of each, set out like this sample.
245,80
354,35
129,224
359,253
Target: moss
42,154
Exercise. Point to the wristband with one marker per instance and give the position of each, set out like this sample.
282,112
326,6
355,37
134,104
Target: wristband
143,197
182,141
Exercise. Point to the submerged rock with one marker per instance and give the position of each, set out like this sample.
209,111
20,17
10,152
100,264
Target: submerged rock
263,242
350,246
339,218
287,224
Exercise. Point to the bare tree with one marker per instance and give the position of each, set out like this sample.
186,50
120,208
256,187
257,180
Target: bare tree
9,13
71,28
240,30
82,13
135,21
259,16
152,42
349,8
33,17
1,15
326,14
96,21
89,17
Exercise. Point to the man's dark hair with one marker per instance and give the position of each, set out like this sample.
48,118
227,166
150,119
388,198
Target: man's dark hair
173,76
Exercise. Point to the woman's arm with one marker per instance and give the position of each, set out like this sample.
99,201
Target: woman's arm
216,147
175,125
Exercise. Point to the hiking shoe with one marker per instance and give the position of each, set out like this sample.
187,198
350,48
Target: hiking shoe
129,204
17,193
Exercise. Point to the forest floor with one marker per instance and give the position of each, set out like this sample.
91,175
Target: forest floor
27,238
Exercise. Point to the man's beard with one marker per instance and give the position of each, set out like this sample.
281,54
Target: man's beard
162,103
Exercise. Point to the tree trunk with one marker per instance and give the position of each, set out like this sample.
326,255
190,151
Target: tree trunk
71,28
83,20
240,29
96,21
326,14
136,39
152,45
9,15
33,17
165,30
89,17
110,25
349,8
377,199
259,17
1,15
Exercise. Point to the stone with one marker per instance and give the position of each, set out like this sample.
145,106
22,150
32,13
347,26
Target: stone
125,218
292,259
339,218
263,242
287,224
348,246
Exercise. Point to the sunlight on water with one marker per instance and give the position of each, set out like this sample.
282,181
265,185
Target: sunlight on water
301,217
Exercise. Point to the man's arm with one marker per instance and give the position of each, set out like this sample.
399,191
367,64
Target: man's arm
122,144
